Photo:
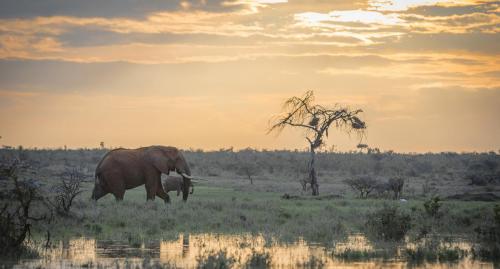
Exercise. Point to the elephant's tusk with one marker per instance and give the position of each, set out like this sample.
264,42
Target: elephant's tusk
186,176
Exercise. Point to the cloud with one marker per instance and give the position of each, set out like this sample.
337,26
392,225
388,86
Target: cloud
483,43
402,5
115,8
199,31
356,16
392,20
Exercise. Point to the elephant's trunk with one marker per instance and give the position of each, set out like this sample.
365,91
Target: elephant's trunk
185,190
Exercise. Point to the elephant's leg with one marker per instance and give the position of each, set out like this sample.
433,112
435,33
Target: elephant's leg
119,192
152,184
163,195
119,195
115,185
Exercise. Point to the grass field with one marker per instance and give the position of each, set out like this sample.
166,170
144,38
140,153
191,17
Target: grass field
275,206
225,210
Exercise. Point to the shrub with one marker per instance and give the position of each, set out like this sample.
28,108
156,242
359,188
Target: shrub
488,238
17,199
432,207
388,223
363,184
481,173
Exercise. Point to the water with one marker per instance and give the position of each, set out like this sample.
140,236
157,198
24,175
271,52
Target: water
187,250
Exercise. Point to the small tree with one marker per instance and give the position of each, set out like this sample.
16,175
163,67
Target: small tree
68,189
316,121
363,184
247,166
247,169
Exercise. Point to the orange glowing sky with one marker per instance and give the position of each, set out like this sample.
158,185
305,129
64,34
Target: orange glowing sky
211,73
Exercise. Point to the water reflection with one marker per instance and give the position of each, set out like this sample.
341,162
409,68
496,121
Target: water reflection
184,252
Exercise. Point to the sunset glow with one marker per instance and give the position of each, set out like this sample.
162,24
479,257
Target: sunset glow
210,74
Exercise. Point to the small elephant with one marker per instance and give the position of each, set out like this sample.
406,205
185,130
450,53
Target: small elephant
173,183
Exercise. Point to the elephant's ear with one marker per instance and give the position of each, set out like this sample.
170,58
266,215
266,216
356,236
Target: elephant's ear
160,161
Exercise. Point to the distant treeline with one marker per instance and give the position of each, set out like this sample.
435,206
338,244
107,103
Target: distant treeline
479,168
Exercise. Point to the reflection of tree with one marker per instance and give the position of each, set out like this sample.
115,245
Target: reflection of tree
316,120
185,244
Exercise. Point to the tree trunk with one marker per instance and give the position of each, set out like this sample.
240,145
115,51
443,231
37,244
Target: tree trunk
249,175
312,173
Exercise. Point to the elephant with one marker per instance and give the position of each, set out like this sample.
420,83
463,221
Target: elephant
173,183
122,169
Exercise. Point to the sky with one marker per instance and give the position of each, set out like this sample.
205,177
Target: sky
210,74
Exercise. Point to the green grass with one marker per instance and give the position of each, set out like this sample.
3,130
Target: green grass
224,210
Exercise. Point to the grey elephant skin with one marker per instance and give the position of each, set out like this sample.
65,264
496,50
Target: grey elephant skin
122,169
175,183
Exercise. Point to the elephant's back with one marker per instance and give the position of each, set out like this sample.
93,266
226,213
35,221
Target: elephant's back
119,159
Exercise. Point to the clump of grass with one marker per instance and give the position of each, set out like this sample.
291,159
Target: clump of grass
389,223
215,260
313,263
94,228
487,245
349,254
148,263
431,254
134,240
259,260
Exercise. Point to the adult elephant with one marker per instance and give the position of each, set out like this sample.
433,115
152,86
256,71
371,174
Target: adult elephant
122,169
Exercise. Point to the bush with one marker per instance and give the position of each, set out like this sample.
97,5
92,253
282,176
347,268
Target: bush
388,223
17,199
363,184
488,238
432,207
481,173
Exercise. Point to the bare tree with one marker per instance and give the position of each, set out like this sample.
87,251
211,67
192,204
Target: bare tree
68,189
17,199
316,120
